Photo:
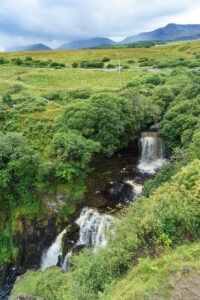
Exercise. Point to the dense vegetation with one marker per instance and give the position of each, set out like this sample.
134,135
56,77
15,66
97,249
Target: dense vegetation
49,138
30,62
144,44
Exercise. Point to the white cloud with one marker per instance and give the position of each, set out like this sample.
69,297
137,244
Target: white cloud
57,21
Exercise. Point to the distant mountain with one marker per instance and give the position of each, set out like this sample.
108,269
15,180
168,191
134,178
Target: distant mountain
83,44
171,32
35,47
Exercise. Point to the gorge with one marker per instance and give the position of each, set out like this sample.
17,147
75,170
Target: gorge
93,225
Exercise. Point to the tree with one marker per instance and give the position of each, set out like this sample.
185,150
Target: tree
73,154
18,168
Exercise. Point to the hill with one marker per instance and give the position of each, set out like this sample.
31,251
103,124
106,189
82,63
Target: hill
171,32
82,44
34,47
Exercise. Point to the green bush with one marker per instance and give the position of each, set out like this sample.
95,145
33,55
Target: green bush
194,64
75,65
179,120
105,59
125,67
98,119
73,154
92,64
81,93
111,66
154,79
17,61
7,99
130,61
3,61
163,175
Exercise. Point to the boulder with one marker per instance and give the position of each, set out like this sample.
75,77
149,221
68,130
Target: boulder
22,296
70,238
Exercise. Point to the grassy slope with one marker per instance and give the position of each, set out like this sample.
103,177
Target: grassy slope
175,275
38,80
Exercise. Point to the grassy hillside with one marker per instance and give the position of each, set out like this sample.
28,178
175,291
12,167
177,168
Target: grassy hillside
37,80
175,275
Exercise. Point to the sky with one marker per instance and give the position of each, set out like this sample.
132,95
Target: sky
54,22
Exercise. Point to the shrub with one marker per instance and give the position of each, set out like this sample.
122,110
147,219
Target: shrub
125,67
75,65
73,154
91,64
143,59
105,59
163,175
194,64
28,58
82,93
6,98
130,61
111,66
98,119
154,79
83,64
17,61
57,65
3,61
178,119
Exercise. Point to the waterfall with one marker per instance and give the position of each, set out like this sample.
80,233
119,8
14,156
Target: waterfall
137,188
93,229
152,152
50,257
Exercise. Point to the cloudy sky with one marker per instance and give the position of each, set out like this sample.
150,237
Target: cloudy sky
53,22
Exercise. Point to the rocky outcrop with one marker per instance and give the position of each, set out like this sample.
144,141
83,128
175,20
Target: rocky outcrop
23,296
70,238
35,235
118,193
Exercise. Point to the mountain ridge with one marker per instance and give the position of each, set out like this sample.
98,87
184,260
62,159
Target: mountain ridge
81,44
170,32
33,47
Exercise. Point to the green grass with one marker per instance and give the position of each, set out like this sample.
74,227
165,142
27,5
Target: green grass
160,277
36,80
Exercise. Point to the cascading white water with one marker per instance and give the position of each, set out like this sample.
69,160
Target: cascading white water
93,228
67,261
152,152
50,257
137,188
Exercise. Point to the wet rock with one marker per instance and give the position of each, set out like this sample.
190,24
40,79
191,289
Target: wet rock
70,238
119,193
153,127
4,270
8,282
23,296
36,235
59,263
